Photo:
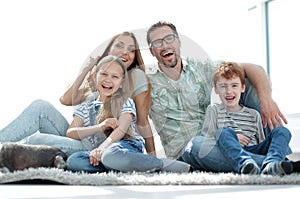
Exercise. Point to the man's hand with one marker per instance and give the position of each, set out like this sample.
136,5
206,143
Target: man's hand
271,114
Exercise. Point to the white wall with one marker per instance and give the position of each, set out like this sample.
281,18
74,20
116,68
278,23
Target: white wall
43,44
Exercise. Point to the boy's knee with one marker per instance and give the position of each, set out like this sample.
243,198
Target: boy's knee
224,131
284,131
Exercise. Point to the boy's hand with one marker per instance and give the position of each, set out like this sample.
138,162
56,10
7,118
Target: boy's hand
243,140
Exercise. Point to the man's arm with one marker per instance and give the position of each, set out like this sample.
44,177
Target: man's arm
270,111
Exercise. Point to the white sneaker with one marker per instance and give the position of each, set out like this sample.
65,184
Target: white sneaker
174,166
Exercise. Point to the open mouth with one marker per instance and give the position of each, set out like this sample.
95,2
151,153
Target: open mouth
230,98
123,59
167,53
106,87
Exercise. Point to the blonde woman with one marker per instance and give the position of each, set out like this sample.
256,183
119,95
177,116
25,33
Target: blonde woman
40,116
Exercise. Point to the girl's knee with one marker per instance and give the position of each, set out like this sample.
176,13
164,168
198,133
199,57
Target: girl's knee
115,159
75,161
111,154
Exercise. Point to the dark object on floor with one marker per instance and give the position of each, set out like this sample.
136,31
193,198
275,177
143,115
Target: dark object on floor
296,166
14,156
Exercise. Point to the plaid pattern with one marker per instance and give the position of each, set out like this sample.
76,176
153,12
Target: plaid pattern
178,107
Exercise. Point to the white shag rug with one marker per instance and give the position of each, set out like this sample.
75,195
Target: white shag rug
112,178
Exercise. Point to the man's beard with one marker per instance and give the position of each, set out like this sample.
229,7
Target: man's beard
172,65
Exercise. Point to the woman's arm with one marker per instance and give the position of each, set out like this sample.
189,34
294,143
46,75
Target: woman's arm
270,112
142,103
74,95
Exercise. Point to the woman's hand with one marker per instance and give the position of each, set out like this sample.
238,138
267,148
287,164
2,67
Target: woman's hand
93,62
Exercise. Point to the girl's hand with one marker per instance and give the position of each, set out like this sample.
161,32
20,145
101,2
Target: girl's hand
95,156
243,140
109,123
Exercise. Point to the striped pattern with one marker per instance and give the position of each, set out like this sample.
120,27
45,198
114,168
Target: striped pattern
246,121
83,112
88,112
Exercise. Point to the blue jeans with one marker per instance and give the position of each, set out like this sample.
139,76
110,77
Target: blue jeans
274,147
203,153
80,161
41,123
125,156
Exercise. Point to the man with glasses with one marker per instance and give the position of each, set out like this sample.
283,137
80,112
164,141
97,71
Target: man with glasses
181,91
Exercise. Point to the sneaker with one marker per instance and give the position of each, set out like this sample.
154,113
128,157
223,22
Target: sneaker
250,168
278,168
175,166
296,166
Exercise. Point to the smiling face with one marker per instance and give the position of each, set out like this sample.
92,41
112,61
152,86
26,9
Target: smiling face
168,53
109,79
229,91
124,48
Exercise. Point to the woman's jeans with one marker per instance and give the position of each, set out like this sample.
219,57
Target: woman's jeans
41,123
274,147
125,156
203,153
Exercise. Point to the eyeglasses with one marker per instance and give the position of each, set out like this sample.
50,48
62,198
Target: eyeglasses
159,42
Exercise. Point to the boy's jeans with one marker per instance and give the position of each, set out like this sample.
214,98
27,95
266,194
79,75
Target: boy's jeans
203,153
275,147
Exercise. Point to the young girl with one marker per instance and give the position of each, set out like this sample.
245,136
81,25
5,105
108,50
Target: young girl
112,115
40,116
126,47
